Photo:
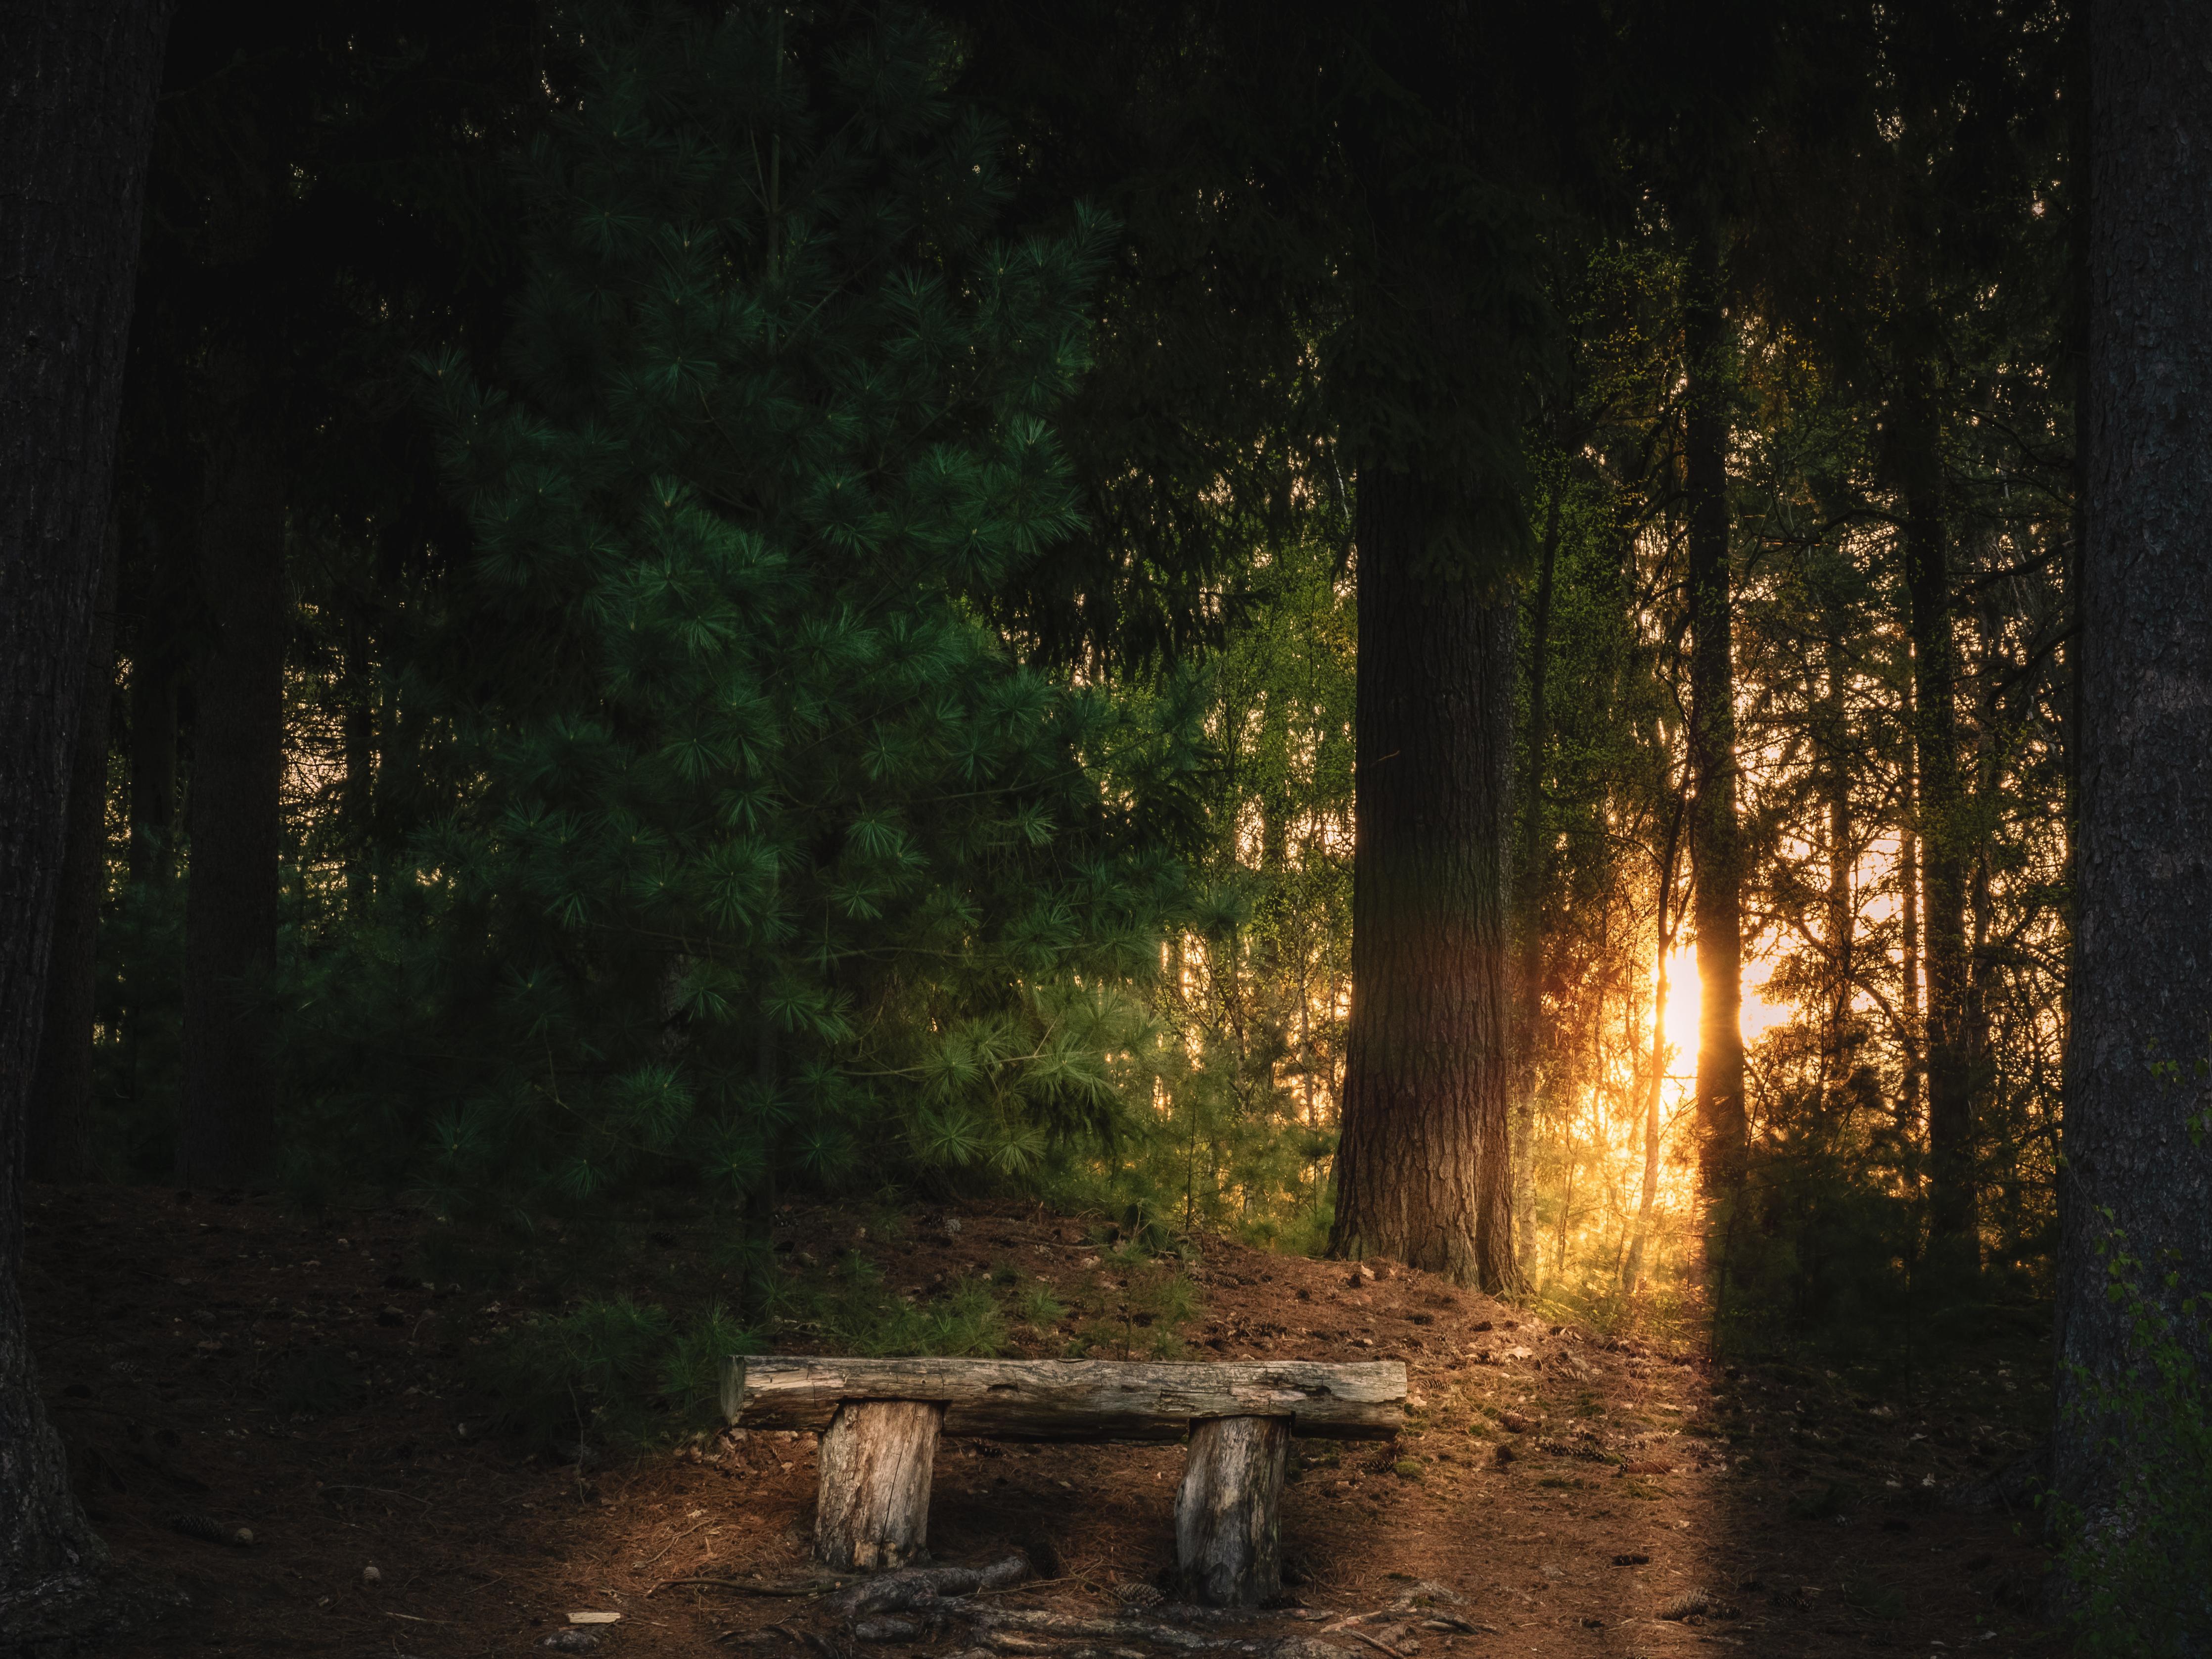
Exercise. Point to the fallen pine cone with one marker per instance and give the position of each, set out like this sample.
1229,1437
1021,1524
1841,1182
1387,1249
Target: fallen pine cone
1137,1593
205,1526
1687,1605
1518,1423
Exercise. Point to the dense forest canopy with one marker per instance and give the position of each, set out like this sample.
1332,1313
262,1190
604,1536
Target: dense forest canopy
1448,633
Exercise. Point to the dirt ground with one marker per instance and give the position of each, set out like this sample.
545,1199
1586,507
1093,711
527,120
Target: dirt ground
1567,1491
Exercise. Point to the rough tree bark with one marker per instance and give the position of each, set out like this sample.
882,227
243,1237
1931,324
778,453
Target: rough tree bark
1715,837
58,1135
1229,1525
871,1508
2141,984
228,1108
1074,1400
1424,1166
77,80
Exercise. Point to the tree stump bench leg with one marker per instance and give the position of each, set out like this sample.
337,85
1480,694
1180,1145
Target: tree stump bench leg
871,1508
1229,1521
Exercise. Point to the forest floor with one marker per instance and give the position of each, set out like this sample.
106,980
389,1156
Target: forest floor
1806,1504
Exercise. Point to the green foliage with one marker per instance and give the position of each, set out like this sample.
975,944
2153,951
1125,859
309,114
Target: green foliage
1133,1307
2136,1571
582,1378
853,1314
611,1371
773,861
1244,1064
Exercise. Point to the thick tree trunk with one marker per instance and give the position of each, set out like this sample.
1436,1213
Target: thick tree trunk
1228,1510
1424,1162
58,1136
228,1108
1715,852
78,81
1944,830
2135,1159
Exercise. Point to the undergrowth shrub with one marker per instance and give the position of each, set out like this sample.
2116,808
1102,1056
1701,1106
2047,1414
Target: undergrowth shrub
610,1370
854,1314
615,1370
2141,1575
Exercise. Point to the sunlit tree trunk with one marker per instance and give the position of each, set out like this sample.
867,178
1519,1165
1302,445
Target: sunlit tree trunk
1423,1169
78,83
1715,837
2136,1158
1631,1275
1908,904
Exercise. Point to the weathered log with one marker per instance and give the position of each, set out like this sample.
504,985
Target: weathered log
872,1498
1228,1510
1075,1399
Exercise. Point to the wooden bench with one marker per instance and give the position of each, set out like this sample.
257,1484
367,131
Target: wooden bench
879,1420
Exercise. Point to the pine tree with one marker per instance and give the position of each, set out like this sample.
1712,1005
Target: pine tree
75,127
776,861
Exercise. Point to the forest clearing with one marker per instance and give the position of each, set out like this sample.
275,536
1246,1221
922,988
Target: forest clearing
1095,789
1800,1501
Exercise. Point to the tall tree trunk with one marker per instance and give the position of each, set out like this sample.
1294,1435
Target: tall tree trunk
1944,829
162,541
1422,1168
2135,1159
1837,923
360,735
228,1109
78,81
1715,837
60,1133
1632,1276
1910,1038
1533,867
153,678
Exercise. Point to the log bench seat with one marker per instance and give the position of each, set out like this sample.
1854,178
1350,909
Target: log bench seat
880,1420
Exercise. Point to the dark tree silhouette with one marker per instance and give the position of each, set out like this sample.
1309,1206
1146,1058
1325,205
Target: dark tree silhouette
76,111
2137,1159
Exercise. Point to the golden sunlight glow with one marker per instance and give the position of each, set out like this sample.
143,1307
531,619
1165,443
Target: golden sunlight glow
1759,1016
